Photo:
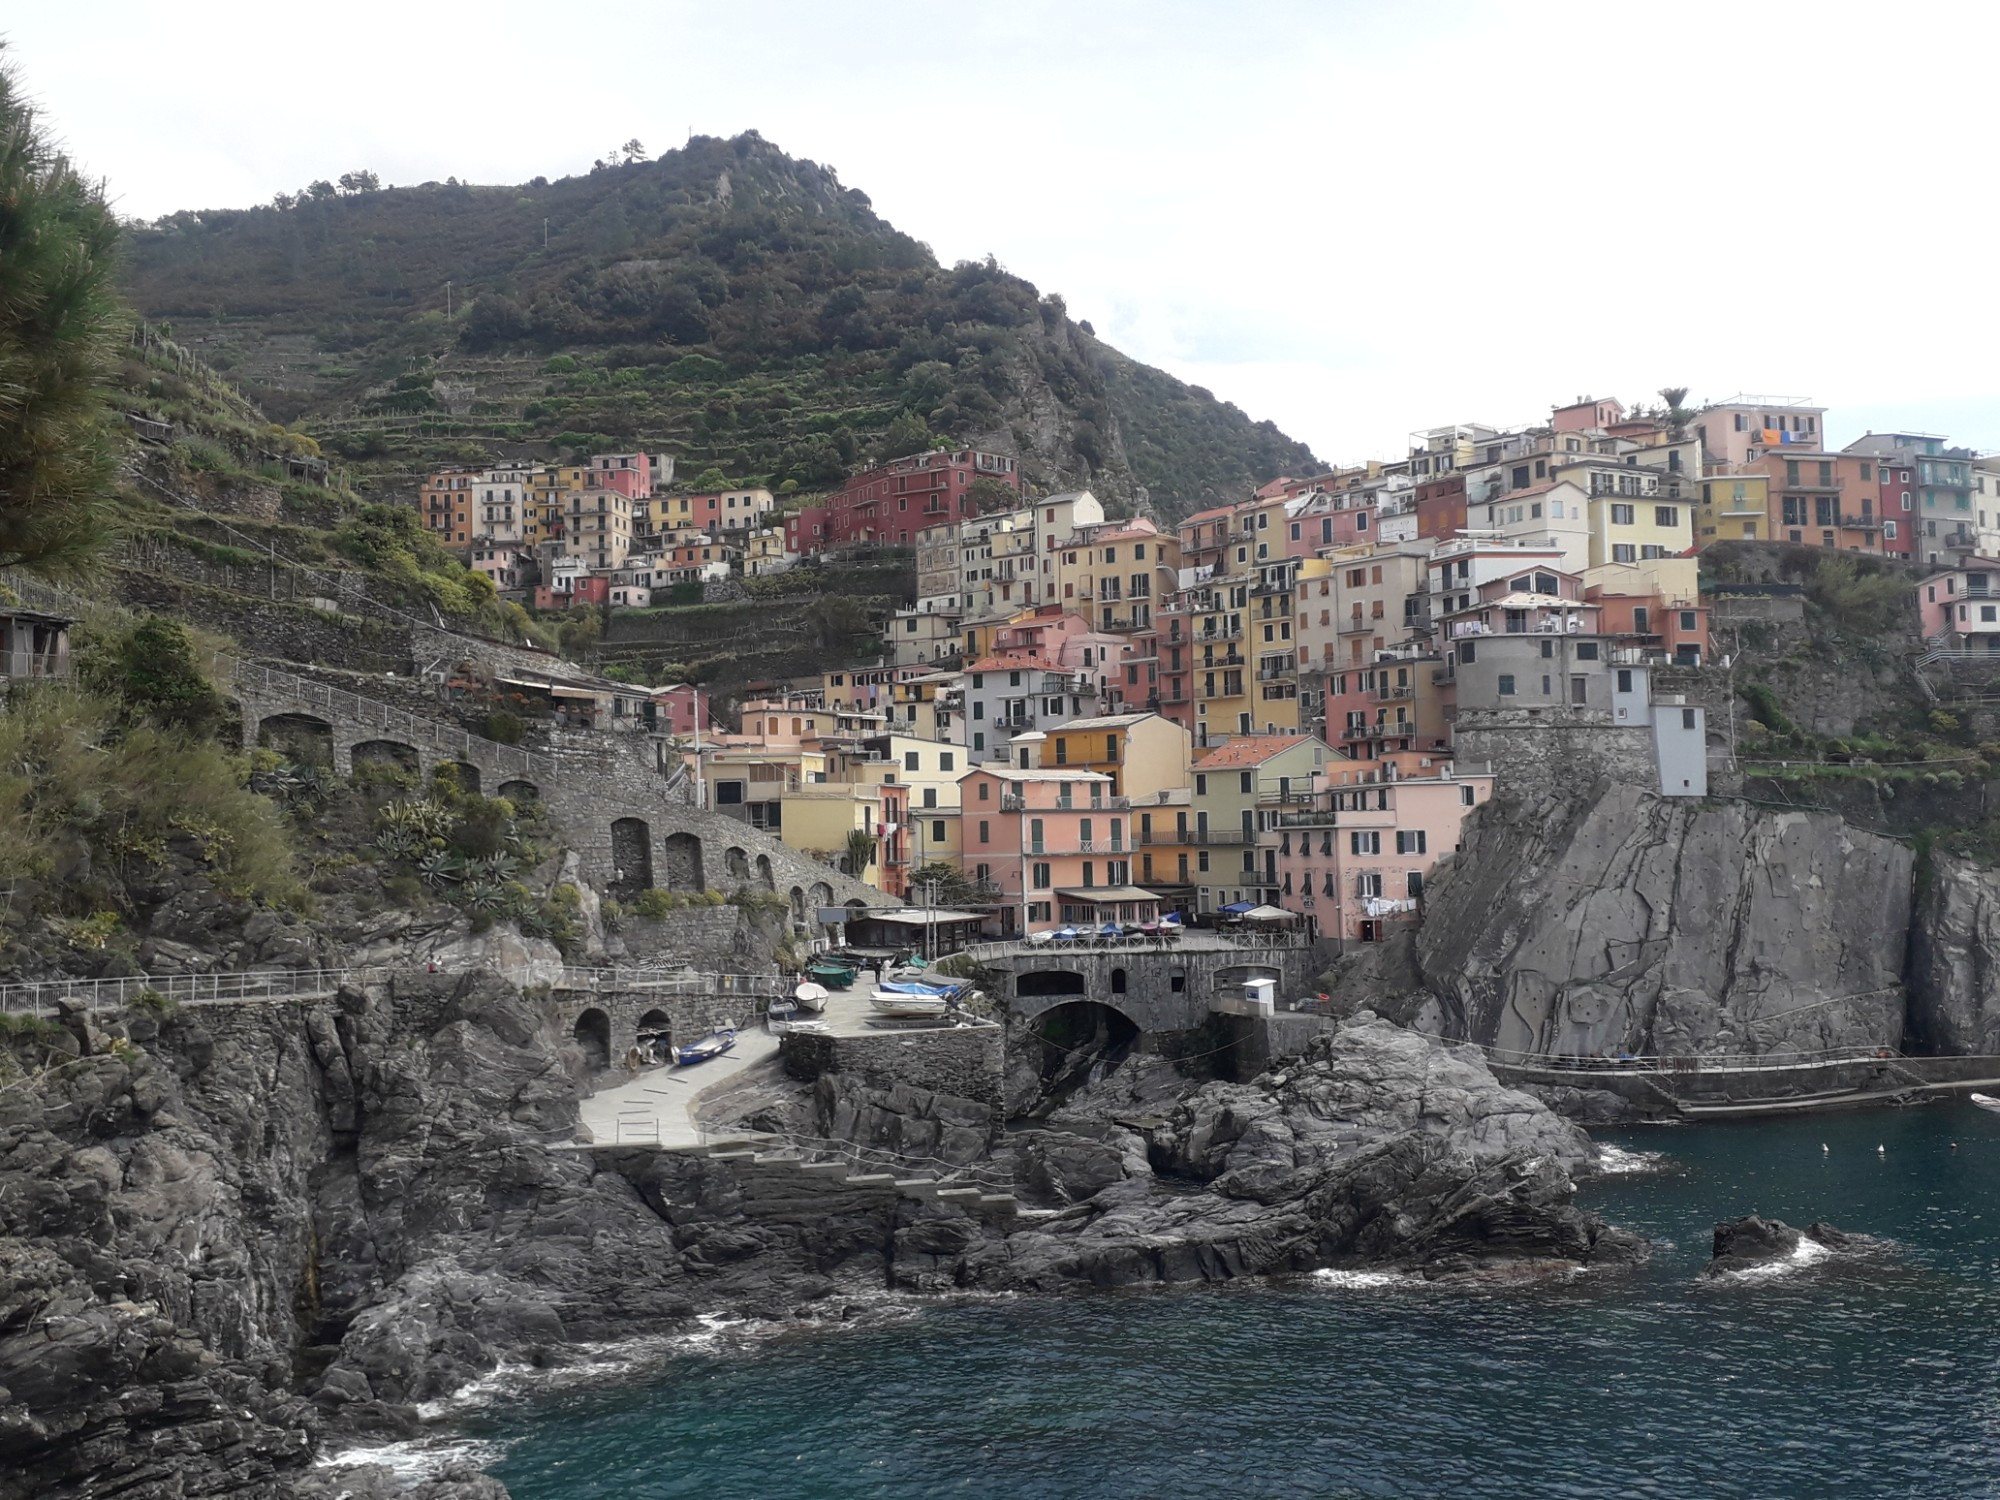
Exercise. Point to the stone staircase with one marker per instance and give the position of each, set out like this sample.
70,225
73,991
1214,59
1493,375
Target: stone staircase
780,1183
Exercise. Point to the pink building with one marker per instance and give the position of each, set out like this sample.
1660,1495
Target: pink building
1355,859
1057,844
681,709
1962,605
630,474
1590,414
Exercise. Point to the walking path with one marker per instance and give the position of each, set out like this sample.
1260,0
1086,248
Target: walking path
657,1107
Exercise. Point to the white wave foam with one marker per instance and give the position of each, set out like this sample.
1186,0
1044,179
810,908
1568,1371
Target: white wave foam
1358,1281
417,1459
1808,1252
1617,1161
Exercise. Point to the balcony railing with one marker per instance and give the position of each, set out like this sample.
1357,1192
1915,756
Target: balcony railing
1224,633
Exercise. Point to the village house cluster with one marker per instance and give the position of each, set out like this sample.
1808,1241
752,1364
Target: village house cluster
1292,701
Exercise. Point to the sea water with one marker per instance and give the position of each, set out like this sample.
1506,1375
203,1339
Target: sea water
1862,1375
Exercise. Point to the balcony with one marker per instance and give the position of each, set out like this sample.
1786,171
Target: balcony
1015,723
1223,633
1357,625
1390,694
1316,817
1806,486
1274,673
1209,837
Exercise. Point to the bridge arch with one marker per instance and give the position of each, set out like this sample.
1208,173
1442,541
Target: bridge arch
682,864
387,755
592,1034
305,739
631,856
519,791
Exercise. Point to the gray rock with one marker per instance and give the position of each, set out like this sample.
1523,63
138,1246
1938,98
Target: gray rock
1954,955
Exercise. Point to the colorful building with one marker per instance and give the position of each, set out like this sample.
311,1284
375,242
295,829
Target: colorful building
1056,845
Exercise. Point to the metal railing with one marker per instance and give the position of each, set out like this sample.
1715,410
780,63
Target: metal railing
177,989
1715,1062
750,986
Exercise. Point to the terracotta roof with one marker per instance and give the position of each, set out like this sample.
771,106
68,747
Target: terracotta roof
1249,750
1209,514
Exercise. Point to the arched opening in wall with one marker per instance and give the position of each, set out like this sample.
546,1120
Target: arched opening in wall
299,738
1039,983
391,762
819,895
764,876
681,862
466,772
631,857
655,1035
1117,981
1079,1043
592,1034
798,906
518,792
736,862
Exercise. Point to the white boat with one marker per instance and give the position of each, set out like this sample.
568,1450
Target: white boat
811,997
892,1004
1985,1101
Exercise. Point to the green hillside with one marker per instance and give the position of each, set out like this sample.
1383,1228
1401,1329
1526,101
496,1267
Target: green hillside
727,302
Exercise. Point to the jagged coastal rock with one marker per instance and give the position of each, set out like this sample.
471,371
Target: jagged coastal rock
1749,1242
231,1234
1610,920
1954,955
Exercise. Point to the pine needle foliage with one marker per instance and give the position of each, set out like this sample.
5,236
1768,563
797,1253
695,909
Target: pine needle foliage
58,313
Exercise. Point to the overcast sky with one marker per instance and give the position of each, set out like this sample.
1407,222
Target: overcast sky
1356,219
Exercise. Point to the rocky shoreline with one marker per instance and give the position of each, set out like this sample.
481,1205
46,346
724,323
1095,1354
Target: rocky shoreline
236,1237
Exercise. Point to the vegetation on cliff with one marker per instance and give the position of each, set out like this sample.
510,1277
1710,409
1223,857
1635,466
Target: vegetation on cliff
737,306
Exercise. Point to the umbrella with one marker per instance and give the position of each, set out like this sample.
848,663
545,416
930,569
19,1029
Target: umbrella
1269,914
1237,908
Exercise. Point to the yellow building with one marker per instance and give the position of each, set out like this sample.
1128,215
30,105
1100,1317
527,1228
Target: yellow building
1733,509
1143,753
819,816
1231,785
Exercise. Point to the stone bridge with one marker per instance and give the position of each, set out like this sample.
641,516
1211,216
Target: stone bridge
1159,990
631,825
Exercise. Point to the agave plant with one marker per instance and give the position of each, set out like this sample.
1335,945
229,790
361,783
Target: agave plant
486,897
441,867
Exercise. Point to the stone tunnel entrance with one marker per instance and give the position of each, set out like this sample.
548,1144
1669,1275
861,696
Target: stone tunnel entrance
655,1033
592,1034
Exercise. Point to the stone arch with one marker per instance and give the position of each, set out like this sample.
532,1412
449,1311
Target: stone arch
387,755
631,857
1080,1040
819,895
798,905
518,791
681,862
762,865
655,1026
736,862
304,739
1117,981
466,772
592,1034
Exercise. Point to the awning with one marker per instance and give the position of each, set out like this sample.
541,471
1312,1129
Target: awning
916,917
1236,908
1105,894
1269,914
573,692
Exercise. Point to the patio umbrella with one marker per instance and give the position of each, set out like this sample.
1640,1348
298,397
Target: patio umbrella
1269,914
1236,908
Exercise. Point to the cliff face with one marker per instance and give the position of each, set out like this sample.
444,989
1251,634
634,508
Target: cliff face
1614,920
1955,959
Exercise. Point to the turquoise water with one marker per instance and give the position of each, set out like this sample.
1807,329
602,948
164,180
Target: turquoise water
1870,1377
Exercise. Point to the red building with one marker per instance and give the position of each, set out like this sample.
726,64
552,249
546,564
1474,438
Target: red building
1441,507
681,709
889,505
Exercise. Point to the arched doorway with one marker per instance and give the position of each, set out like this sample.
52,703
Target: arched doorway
391,759
655,1034
299,738
518,792
798,906
466,773
631,857
592,1034
681,862
764,877
1117,981
736,862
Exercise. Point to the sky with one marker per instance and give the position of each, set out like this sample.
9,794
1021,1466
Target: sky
1357,219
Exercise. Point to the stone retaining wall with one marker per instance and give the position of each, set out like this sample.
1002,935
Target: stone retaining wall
965,1062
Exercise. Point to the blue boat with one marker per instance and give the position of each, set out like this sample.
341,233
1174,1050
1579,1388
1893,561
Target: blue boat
712,1045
